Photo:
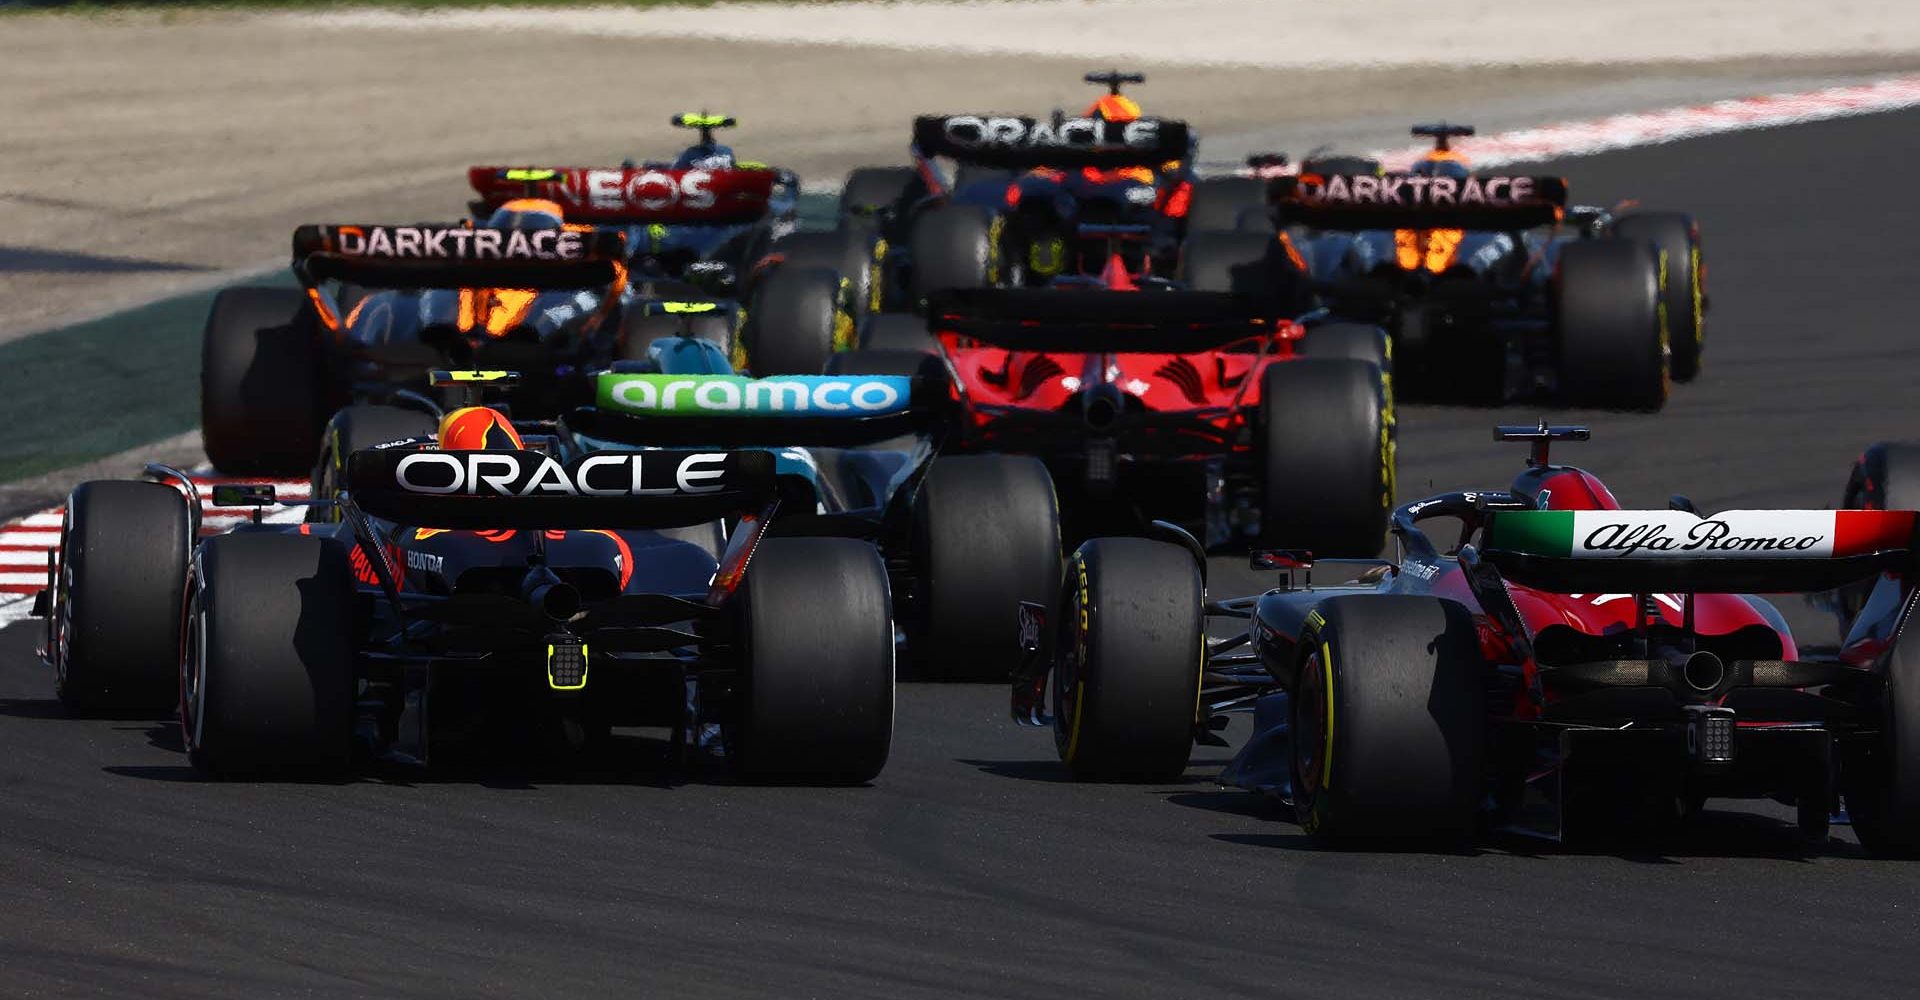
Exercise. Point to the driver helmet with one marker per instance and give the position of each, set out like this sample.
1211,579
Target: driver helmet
527,214
478,428
1440,163
705,156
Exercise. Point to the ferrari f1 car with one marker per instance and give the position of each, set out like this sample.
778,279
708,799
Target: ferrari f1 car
491,596
857,452
1491,284
1147,400
711,227
1556,661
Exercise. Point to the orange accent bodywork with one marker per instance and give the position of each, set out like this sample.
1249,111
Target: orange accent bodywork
1433,249
1114,108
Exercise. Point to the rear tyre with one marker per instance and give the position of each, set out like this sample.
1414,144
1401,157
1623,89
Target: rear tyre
118,599
796,322
872,192
1613,349
1127,672
1677,237
1228,204
986,536
898,332
1325,433
818,688
261,395
953,247
268,682
847,252
1388,721
358,427
1883,788
1353,341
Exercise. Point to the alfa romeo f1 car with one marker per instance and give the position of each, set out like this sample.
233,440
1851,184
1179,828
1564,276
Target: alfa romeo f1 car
1477,274
856,455
483,590
1550,660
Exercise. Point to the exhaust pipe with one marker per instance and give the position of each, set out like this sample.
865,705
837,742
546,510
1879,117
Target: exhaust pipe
1101,407
556,598
1704,672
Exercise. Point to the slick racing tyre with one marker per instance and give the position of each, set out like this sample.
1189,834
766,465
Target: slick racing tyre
817,697
986,536
1882,788
796,323
355,428
953,246
268,682
119,598
1389,720
1229,204
1613,349
898,332
1326,451
1353,341
261,391
1676,238
1126,674
847,252
872,193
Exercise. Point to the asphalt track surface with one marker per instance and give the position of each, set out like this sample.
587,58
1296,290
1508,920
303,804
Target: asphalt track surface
972,867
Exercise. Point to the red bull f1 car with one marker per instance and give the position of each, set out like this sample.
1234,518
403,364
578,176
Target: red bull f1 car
481,591
1537,659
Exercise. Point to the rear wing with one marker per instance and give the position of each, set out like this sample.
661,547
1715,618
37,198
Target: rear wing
1399,200
1670,551
1101,321
1024,143
456,256
479,490
738,412
633,195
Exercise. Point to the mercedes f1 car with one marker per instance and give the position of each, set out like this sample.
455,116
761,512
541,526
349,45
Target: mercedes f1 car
1492,285
708,226
1549,661
481,589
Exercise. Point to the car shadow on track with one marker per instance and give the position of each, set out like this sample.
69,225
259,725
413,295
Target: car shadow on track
1710,834
1054,772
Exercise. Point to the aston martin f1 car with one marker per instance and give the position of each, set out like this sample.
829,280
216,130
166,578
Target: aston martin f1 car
1493,285
472,599
707,225
857,453
1550,662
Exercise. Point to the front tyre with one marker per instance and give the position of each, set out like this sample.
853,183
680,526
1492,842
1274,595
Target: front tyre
1389,721
1126,683
118,598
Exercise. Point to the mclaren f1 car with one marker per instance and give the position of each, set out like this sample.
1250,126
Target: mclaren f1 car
481,591
1537,659
1493,285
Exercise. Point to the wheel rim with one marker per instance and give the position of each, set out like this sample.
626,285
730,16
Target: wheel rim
1311,728
193,680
